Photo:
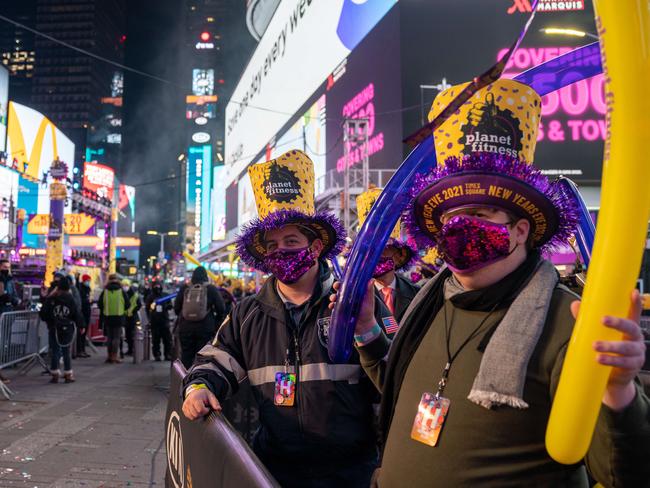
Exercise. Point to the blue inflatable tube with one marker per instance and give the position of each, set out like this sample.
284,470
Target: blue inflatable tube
571,67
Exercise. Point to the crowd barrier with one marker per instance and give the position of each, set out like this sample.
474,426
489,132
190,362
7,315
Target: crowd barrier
207,452
21,340
95,332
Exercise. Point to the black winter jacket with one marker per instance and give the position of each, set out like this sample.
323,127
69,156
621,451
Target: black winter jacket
330,425
60,306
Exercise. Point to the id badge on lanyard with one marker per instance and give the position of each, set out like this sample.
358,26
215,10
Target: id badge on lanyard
285,389
432,411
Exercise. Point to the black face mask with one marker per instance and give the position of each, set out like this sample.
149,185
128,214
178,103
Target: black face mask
4,272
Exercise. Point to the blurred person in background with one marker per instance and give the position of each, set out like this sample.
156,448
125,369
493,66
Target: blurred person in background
62,317
112,305
134,304
84,293
8,295
158,314
200,310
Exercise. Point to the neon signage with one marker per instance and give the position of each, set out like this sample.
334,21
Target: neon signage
546,6
573,113
362,106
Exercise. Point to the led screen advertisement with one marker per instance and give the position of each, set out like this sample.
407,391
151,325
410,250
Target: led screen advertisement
4,101
572,127
100,179
203,82
302,45
198,200
35,142
218,205
126,206
367,86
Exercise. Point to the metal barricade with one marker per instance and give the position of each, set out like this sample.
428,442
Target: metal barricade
20,342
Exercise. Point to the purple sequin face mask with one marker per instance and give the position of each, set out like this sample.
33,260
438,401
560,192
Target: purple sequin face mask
468,244
288,265
383,266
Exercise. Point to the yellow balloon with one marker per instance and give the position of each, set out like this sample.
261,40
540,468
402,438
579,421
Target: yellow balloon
624,29
195,261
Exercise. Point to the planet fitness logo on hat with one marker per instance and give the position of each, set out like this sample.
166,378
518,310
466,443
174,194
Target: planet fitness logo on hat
281,184
490,129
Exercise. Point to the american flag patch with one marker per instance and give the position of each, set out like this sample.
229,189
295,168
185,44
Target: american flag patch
390,324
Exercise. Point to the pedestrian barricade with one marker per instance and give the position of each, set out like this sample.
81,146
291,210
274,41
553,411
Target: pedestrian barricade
207,452
95,331
20,341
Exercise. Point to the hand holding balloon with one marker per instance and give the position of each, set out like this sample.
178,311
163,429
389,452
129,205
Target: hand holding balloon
626,356
366,319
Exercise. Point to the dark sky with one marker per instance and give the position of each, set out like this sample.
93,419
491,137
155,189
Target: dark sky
153,115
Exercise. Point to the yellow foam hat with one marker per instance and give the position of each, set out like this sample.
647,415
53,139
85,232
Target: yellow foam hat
405,253
284,195
365,201
285,183
502,118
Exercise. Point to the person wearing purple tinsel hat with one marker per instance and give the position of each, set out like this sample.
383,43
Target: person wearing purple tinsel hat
394,289
316,417
468,385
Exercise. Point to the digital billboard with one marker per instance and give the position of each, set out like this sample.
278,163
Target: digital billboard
302,45
571,136
4,101
203,82
8,200
35,142
198,200
100,179
126,206
218,205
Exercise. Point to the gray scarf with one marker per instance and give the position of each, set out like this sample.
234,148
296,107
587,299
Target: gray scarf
502,374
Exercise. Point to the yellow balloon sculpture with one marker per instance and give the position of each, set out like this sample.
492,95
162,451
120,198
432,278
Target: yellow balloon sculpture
624,28
196,262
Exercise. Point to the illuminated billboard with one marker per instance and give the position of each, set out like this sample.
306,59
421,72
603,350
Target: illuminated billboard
218,205
100,179
35,142
4,101
126,207
8,200
302,45
198,202
203,82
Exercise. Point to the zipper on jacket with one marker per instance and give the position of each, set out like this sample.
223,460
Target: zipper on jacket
296,356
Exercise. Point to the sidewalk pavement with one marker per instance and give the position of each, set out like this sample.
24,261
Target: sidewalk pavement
105,430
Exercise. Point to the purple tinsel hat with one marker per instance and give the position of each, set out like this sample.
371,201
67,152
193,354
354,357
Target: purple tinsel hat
491,180
406,256
284,195
328,228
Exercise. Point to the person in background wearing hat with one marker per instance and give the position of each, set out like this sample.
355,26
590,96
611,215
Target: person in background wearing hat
394,289
8,295
133,305
112,303
316,417
468,385
84,292
62,316
200,310
158,314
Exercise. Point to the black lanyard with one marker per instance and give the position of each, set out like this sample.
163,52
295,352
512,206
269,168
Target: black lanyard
451,357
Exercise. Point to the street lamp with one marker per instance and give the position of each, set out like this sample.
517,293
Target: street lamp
161,253
560,31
